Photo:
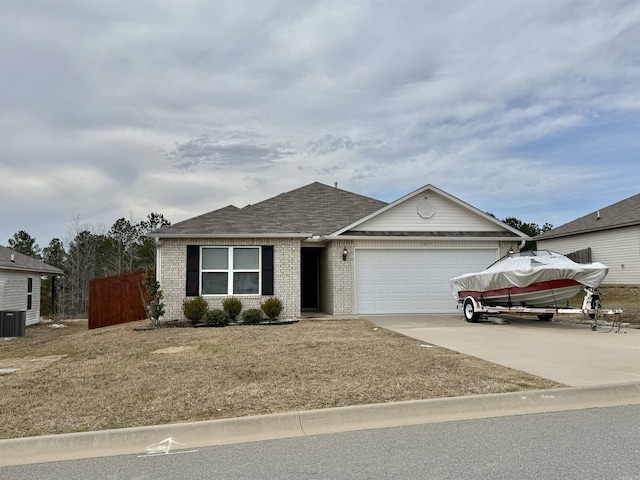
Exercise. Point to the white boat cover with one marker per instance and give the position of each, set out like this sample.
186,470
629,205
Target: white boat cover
526,268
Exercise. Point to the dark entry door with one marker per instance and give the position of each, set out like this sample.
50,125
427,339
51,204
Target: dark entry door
310,274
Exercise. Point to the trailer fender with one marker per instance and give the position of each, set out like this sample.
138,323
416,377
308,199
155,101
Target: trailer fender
471,309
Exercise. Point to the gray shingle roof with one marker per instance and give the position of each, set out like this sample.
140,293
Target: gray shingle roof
315,209
622,214
24,263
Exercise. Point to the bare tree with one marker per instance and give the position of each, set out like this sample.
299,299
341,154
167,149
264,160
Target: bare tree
81,267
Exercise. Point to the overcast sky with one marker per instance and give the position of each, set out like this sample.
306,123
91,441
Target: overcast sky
113,109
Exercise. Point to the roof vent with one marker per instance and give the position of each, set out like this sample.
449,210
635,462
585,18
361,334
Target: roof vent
598,215
13,258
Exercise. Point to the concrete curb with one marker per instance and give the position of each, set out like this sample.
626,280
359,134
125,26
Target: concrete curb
48,448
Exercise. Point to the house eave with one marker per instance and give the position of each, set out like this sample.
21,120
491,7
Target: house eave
585,231
30,270
426,238
231,235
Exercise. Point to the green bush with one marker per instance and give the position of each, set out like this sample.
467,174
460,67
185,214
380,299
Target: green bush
195,309
272,307
252,316
216,318
155,308
233,307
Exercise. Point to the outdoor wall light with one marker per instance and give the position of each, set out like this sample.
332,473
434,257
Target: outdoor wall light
344,254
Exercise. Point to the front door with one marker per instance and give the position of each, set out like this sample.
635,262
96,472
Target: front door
310,276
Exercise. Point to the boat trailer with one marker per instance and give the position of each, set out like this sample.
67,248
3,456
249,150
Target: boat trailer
473,308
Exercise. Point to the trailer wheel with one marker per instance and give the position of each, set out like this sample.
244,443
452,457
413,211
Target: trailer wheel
469,309
546,316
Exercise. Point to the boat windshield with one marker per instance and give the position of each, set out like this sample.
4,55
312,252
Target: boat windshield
525,253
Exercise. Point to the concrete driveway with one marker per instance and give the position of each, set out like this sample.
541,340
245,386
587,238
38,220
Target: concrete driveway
571,354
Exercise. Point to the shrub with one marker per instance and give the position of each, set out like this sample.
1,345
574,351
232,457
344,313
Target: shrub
252,316
155,308
272,307
232,306
216,318
195,309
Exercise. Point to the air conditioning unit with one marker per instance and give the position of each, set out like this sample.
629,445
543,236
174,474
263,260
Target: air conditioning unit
12,323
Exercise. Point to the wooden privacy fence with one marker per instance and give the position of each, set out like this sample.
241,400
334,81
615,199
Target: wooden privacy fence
114,300
581,256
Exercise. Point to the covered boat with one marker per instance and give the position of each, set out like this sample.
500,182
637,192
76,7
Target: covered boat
532,278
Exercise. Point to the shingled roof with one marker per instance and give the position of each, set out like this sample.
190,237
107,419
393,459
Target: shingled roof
625,213
12,260
315,209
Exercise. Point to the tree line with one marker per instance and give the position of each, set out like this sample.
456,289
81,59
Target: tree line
88,253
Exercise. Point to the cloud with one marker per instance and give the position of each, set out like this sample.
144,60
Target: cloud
236,151
109,108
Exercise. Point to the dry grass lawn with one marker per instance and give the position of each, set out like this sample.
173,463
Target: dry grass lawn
73,379
624,297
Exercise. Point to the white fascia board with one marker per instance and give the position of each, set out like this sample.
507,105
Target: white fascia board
319,239
30,270
426,238
420,191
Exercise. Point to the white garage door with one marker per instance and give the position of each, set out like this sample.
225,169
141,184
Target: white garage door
413,281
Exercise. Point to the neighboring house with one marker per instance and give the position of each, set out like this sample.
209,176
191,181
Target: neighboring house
20,277
323,248
612,234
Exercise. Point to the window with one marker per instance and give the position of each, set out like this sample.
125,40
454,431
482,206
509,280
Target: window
230,270
226,269
29,293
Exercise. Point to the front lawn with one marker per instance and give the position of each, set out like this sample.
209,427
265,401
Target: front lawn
72,379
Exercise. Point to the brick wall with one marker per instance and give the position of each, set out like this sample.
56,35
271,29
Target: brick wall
337,277
172,266
337,282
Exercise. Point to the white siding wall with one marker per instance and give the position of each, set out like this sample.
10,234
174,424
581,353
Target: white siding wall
619,249
13,294
448,217
173,273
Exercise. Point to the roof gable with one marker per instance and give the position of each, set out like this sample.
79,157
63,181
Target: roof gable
621,214
430,211
12,260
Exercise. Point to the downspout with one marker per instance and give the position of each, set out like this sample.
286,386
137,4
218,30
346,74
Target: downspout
158,260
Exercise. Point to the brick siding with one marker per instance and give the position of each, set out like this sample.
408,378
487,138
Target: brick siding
173,266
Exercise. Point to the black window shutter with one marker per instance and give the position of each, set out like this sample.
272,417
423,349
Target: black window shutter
193,270
267,270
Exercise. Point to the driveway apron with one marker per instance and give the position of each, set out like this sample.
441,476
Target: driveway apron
570,354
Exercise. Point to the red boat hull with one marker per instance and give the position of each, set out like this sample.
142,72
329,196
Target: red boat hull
552,293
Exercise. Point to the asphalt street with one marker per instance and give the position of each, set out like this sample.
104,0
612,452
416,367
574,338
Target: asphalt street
601,443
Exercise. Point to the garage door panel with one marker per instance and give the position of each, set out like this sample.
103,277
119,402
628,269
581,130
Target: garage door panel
382,305
383,289
413,281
